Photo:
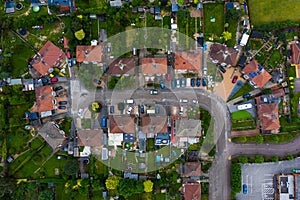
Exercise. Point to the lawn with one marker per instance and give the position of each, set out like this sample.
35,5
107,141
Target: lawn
238,125
266,11
274,61
213,10
17,140
123,82
86,123
242,114
49,167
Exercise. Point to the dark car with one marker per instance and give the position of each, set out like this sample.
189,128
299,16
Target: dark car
222,69
62,102
245,189
112,109
53,80
203,82
198,82
246,95
193,82
234,79
142,109
58,88
62,107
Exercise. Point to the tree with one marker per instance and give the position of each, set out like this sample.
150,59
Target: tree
148,186
180,2
243,159
96,107
236,178
274,158
46,195
112,182
259,139
275,138
290,157
226,35
80,34
121,106
259,159
7,185
71,167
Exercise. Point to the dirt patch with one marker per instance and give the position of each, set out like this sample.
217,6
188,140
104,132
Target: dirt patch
245,133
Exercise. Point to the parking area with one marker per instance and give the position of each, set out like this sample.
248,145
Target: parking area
259,178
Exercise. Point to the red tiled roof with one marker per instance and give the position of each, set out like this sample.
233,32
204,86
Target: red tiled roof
49,56
296,53
262,76
44,98
154,66
64,9
192,191
121,124
188,61
223,54
89,53
66,42
91,138
278,93
155,124
192,169
121,66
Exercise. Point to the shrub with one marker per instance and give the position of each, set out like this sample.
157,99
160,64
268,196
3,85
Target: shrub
259,139
243,159
236,180
274,158
259,159
290,157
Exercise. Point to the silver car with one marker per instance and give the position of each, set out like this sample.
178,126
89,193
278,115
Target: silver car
178,83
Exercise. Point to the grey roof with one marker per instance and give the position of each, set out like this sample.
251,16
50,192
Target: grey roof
188,128
131,176
15,81
51,135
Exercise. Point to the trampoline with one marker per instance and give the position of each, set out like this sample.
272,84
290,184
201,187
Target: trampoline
19,6
36,8
22,31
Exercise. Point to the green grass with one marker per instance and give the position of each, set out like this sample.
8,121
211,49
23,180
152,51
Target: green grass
51,164
266,11
60,191
255,44
233,24
274,61
268,138
215,10
86,123
123,82
238,125
17,140
242,114
246,88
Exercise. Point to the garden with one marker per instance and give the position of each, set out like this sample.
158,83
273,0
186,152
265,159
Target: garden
120,83
213,19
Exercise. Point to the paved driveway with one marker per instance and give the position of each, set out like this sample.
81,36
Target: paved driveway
259,178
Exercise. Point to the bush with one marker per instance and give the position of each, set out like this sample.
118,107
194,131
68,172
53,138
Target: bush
243,159
236,178
275,138
242,139
290,157
274,158
259,159
259,139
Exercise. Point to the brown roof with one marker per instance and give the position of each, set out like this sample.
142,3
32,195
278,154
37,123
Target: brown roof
95,55
121,124
121,66
296,53
64,9
192,191
49,56
223,54
66,41
262,76
278,93
268,114
154,66
154,124
191,169
91,138
82,51
44,98
188,61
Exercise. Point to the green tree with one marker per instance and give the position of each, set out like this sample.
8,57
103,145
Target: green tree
180,2
259,139
243,159
275,138
236,178
46,195
274,158
259,159
226,35
112,182
148,186
290,157
7,186
71,167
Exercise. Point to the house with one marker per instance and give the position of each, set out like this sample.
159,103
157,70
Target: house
191,191
295,53
267,114
255,74
91,138
49,56
154,66
45,101
116,3
121,124
28,85
52,135
153,125
188,62
191,170
223,55
89,54
186,132
121,66
286,186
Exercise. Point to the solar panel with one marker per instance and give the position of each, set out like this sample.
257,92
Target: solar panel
260,67
252,74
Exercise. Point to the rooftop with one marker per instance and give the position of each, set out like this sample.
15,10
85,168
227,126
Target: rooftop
296,53
89,53
52,135
44,99
191,169
223,54
192,191
121,124
91,138
154,124
121,66
188,61
154,66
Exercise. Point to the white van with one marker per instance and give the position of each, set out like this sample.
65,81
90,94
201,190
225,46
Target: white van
183,101
181,110
129,101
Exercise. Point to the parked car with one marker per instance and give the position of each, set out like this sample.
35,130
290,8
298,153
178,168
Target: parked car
62,107
112,109
156,109
129,110
195,101
173,84
183,101
245,189
108,49
162,85
245,96
62,102
198,82
68,54
70,63
193,82
180,111
222,69
142,109
178,83
74,61
51,75
234,79
104,122
58,88
53,80
204,82
154,92
168,77
183,83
